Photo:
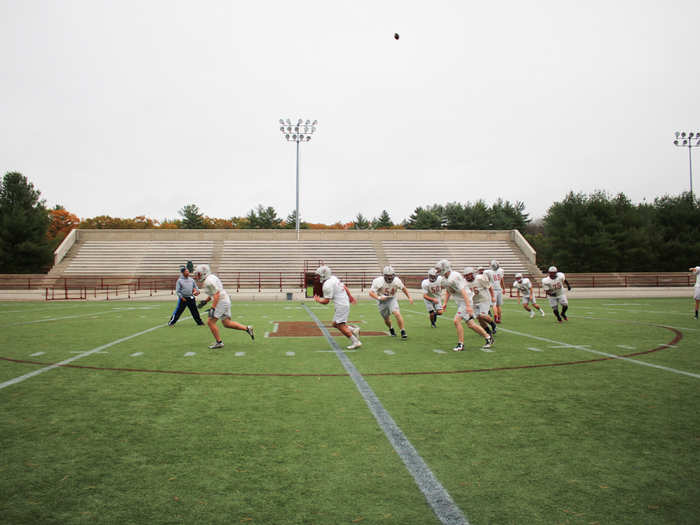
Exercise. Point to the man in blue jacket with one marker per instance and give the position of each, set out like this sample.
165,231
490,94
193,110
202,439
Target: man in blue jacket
186,290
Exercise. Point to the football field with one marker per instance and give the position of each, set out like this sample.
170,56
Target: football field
109,416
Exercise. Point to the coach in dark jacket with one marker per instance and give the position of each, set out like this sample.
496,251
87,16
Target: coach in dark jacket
186,289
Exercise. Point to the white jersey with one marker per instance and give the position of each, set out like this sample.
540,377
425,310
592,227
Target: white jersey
432,289
496,278
525,286
334,289
212,284
556,285
455,283
381,287
697,277
480,288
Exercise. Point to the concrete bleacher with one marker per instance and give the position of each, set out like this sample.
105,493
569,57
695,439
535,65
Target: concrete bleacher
134,257
416,257
291,256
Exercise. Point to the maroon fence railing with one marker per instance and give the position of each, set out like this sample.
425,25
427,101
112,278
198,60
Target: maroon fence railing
80,287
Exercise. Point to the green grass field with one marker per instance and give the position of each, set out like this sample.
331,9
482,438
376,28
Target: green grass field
146,425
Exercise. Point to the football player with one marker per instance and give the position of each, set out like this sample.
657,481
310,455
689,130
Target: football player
497,278
553,286
432,292
220,305
696,271
384,289
483,298
524,288
455,285
334,290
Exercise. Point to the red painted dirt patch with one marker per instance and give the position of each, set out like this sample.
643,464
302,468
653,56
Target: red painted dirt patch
309,329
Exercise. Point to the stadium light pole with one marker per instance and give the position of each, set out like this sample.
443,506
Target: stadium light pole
299,132
688,140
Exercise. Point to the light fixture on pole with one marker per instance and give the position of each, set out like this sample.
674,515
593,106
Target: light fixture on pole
299,132
688,140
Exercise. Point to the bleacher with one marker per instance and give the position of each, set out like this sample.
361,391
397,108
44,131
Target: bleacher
416,257
276,256
135,258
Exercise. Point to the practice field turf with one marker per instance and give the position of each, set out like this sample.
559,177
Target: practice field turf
143,424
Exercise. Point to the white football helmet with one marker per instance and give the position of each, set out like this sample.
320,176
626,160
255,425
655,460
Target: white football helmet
202,271
495,265
518,276
480,269
443,266
324,273
432,275
469,273
388,273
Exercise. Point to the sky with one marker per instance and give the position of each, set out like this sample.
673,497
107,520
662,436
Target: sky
129,108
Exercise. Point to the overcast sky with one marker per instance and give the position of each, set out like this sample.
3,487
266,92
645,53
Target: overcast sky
130,108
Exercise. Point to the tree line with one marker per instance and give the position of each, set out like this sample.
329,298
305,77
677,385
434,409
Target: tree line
593,232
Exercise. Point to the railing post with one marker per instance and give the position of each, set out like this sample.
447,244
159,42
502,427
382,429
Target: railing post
259,281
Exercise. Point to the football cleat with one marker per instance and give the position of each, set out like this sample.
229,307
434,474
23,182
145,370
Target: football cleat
488,343
392,332
532,314
219,344
403,334
354,345
459,347
251,332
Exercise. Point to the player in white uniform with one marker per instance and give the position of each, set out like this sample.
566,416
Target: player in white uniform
480,270
220,305
524,288
483,298
384,289
456,286
334,290
553,286
432,293
497,278
696,271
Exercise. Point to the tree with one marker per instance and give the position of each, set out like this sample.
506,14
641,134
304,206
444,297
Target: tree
61,222
24,222
192,218
428,218
383,222
264,218
291,222
361,223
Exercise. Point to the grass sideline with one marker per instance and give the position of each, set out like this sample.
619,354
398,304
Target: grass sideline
160,429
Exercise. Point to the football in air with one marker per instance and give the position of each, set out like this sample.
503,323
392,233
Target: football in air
396,36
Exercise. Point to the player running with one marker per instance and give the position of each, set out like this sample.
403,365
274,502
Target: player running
432,292
220,305
456,286
524,288
553,286
384,289
334,290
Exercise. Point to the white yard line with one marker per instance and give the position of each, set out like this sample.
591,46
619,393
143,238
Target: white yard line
75,358
435,494
598,352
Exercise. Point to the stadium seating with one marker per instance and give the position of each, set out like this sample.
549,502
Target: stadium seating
136,258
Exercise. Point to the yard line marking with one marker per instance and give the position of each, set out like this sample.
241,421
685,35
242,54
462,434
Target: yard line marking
136,354
190,354
389,352
534,349
239,354
35,354
626,347
75,358
437,497
290,354
585,349
438,351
